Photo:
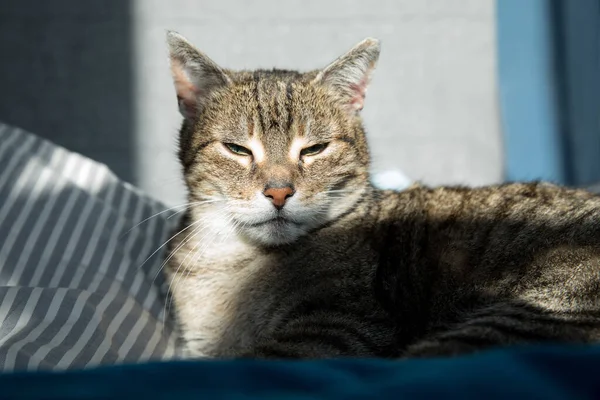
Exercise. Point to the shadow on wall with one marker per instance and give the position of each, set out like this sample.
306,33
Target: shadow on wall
66,75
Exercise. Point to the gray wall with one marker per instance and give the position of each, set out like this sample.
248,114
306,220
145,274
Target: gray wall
431,110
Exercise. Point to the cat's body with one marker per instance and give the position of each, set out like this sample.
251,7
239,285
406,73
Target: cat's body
287,250
246,292
432,257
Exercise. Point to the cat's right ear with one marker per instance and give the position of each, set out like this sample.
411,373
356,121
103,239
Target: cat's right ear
350,74
194,74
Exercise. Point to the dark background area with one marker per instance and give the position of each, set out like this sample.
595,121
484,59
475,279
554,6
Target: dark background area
66,75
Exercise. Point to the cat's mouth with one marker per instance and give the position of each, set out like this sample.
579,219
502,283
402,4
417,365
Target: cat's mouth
276,230
278,220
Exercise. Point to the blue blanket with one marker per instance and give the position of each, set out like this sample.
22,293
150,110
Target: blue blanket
536,372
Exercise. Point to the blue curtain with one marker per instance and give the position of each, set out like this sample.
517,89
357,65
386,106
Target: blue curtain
549,83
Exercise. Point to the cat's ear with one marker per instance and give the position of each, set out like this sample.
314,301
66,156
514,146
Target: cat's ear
194,74
350,74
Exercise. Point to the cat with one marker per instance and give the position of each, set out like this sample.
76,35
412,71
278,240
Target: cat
287,251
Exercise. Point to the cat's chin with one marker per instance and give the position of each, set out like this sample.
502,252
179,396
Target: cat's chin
276,232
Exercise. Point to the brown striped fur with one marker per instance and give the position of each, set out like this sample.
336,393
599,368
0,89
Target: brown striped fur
344,269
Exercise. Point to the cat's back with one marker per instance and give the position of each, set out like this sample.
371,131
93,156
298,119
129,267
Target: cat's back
529,242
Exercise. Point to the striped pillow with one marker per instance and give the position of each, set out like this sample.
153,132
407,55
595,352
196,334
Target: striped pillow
78,285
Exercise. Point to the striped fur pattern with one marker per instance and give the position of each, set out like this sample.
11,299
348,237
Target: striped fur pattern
343,269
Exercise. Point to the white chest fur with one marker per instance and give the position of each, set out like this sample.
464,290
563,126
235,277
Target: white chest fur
207,275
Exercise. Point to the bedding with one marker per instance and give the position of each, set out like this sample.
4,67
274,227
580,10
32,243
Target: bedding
534,373
74,288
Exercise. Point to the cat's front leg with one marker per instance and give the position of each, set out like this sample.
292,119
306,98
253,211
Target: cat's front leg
311,338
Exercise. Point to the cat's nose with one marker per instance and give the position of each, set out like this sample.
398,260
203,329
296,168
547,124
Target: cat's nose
279,194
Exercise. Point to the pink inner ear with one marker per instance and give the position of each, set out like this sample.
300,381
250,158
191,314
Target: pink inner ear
187,92
187,97
357,102
186,107
359,91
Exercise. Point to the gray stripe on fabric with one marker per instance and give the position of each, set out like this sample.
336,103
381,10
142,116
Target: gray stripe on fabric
22,316
7,303
119,323
55,244
33,235
104,263
153,301
123,321
42,353
7,143
86,300
8,170
30,234
73,241
42,333
18,209
70,355
47,313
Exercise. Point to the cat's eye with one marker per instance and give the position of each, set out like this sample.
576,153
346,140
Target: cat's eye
237,149
313,150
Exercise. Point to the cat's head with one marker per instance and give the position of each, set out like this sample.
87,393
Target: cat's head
275,153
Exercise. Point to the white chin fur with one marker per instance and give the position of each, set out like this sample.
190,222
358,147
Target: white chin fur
274,233
248,218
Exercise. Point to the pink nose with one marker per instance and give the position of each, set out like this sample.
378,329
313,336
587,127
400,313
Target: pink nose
278,196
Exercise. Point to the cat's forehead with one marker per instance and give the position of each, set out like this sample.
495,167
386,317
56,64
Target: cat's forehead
272,75
276,105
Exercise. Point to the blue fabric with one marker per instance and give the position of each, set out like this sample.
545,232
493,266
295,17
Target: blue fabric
544,373
549,89
533,145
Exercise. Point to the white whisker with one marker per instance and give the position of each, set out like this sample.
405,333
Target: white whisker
169,293
164,211
193,204
166,242
177,277
340,191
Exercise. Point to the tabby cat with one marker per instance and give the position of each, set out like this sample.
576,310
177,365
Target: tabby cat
287,251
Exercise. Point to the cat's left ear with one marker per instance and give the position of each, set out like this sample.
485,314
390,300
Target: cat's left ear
350,74
195,75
